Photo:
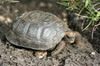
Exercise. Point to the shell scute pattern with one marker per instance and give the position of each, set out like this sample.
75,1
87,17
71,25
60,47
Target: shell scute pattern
37,30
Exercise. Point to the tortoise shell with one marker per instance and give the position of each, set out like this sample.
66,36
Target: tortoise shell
37,30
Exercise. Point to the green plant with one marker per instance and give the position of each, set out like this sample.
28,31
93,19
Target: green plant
91,13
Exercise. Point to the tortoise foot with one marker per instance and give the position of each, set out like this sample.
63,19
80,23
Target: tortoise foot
40,54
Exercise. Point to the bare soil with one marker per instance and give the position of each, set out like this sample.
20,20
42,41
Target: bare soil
85,54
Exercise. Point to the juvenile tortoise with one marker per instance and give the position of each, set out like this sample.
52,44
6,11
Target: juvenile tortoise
41,31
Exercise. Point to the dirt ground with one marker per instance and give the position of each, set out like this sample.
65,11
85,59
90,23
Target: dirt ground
85,54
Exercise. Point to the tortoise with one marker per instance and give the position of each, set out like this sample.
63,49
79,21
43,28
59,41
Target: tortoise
42,31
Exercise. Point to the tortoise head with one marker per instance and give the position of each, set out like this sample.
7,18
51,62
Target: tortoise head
70,36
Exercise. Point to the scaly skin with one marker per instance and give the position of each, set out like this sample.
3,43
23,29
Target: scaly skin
72,36
58,48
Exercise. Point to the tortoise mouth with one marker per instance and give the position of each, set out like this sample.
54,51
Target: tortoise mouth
26,43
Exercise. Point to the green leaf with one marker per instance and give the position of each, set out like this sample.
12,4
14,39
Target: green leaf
68,0
97,17
98,14
63,3
87,3
71,8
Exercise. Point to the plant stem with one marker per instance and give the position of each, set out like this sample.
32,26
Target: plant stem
87,25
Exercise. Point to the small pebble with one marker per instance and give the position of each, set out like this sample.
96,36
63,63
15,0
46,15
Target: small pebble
92,53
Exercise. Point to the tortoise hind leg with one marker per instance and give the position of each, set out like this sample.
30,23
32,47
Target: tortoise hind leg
58,48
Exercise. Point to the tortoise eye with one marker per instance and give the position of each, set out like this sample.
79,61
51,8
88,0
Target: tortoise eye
70,36
67,36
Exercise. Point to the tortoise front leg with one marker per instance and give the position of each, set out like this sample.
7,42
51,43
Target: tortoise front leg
58,48
78,38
